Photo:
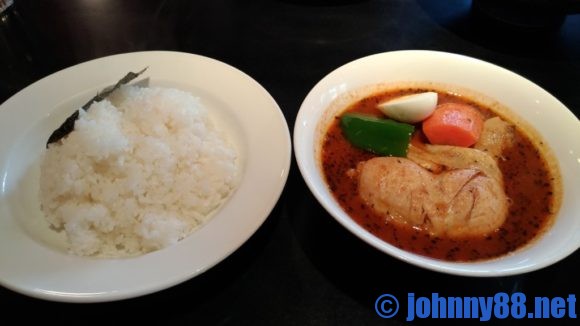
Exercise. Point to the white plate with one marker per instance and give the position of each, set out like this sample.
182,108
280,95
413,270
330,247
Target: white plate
32,261
558,126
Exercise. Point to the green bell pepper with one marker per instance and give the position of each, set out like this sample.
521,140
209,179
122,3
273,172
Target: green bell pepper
380,136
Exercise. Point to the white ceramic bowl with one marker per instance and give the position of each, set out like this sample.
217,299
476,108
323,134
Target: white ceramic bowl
556,124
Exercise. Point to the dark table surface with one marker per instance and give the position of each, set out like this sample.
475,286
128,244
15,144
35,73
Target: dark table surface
301,267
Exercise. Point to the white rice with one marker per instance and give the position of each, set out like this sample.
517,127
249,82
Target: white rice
139,172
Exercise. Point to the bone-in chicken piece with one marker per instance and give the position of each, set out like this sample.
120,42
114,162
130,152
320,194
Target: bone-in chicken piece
465,198
438,158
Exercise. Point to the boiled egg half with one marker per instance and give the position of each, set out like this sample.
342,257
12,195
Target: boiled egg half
410,108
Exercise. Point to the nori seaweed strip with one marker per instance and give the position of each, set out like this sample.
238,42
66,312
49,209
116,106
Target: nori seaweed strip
69,124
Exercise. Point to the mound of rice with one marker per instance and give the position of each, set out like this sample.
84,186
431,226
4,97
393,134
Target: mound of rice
139,172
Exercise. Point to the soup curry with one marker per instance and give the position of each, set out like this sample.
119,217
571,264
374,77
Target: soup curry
530,185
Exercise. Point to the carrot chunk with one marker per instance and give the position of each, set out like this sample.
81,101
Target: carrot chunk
453,124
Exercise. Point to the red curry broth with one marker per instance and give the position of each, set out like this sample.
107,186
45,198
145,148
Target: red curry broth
528,184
